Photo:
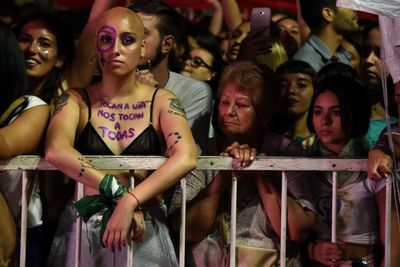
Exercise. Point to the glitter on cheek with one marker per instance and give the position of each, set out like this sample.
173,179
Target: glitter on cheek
46,55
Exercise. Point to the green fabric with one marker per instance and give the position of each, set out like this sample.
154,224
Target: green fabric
110,190
110,187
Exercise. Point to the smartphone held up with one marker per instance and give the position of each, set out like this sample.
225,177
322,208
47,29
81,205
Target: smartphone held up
260,17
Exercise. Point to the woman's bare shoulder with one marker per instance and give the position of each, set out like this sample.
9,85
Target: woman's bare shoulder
165,94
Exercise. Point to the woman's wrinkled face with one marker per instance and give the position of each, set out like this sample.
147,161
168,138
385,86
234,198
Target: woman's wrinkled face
119,45
327,122
39,46
198,65
297,91
237,115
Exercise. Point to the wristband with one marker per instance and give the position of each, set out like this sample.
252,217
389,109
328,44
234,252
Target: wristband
133,195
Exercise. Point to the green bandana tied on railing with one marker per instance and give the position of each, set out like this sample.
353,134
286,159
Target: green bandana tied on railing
110,190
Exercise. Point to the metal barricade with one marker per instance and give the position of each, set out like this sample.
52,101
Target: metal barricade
27,163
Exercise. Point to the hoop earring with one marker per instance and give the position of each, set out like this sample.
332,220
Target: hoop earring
144,71
93,59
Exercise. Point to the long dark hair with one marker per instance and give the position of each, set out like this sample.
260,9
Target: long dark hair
65,45
355,109
13,79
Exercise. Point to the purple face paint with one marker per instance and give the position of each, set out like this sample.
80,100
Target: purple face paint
116,135
131,116
105,40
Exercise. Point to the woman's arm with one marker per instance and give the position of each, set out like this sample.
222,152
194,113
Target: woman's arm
182,157
181,148
24,134
204,206
61,153
81,71
300,220
395,234
233,18
217,17
59,148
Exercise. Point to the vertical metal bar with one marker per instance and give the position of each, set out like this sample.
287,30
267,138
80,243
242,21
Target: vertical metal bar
24,219
334,207
79,195
232,252
129,249
182,236
388,216
283,220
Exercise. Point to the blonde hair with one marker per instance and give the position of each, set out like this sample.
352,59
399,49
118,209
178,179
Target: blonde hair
276,57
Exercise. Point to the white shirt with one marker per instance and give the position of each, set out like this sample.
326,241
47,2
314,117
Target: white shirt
11,184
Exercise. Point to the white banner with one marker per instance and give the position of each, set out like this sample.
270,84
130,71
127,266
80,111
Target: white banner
390,8
389,24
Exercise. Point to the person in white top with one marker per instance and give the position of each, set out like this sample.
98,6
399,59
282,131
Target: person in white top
20,131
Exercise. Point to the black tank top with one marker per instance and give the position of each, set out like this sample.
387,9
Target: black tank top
146,143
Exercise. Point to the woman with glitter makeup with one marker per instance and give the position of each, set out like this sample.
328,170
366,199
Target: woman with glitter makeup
118,116
53,62
21,116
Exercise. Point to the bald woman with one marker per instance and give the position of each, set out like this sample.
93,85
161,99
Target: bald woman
118,116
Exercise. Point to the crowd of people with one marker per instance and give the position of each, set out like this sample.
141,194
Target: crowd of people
141,78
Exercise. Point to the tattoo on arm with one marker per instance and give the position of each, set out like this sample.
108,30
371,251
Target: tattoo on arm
172,139
61,101
176,108
85,165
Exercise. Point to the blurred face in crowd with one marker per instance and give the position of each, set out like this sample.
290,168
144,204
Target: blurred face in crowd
120,41
236,113
236,40
291,26
198,65
370,70
153,44
39,46
355,56
345,20
327,122
297,91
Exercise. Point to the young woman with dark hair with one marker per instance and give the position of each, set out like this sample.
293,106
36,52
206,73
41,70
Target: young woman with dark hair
21,131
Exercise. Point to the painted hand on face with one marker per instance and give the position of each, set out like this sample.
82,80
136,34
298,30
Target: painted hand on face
105,41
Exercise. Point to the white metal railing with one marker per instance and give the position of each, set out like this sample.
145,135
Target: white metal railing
27,163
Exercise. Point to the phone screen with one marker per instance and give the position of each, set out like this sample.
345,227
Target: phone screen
260,17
